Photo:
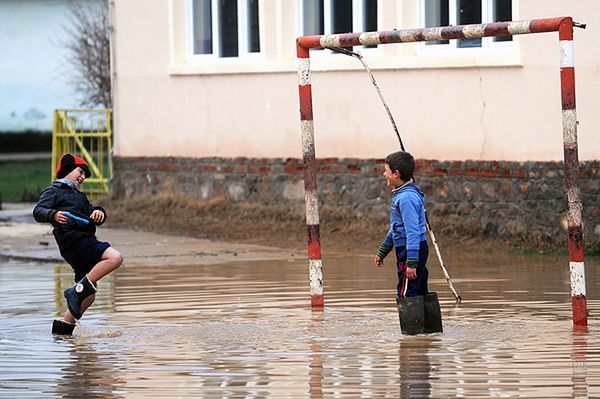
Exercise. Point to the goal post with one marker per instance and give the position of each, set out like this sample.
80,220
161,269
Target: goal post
563,25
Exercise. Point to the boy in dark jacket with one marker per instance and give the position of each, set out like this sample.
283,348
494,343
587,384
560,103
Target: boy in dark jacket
74,220
406,235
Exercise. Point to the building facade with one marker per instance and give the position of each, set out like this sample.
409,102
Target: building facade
206,103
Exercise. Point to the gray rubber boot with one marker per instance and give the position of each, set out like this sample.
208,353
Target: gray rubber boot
433,314
61,327
412,314
76,294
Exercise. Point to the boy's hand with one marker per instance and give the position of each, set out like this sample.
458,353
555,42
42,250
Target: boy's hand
378,261
97,216
60,217
411,273
411,269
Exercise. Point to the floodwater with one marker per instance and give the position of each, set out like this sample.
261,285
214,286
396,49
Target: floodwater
246,330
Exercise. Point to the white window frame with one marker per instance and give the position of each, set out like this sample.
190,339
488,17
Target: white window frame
243,39
357,22
488,45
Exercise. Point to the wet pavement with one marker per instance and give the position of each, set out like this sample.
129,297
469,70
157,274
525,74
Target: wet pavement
244,329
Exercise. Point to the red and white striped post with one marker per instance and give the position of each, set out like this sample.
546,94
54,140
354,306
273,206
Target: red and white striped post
569,121
563,25
310,180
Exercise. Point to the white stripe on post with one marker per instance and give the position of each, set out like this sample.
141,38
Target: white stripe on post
519,27
304,71
369,39
312,207
577,278
315,271
569,121
566,54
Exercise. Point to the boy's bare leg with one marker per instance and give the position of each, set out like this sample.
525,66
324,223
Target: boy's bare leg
111,260
86,303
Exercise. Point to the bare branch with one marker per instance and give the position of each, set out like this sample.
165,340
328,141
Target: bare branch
88,48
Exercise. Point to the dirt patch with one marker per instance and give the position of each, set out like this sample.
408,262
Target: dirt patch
272,225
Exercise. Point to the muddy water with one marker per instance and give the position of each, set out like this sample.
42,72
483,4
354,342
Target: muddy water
246,330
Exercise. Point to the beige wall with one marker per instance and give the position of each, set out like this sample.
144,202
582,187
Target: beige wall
498,106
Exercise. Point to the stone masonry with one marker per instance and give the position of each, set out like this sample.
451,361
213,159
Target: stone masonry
522,202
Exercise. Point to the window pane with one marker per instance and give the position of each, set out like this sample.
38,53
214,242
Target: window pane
502,12
202,26
369,15
437,13
341,16
253,31
313,21
228,29
469,12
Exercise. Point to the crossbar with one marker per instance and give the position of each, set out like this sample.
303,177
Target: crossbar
562,25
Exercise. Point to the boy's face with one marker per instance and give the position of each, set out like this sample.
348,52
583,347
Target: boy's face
77,176
393,178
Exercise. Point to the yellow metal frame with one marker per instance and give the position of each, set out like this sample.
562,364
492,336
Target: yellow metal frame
88,134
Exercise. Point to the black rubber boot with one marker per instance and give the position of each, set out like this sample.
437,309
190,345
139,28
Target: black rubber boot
412,314
61,327
433,313
76,294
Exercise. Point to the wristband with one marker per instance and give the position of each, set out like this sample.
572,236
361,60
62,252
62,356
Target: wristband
383,250
412,263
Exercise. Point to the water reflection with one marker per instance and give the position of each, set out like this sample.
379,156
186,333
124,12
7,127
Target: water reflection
580,366
87,372
414,367
247,330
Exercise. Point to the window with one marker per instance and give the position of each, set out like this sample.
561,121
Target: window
224,28
324,17
464,12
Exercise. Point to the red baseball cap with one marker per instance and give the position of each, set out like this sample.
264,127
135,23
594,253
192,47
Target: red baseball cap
68,163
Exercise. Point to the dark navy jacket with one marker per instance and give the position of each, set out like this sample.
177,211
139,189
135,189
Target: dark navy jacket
62,197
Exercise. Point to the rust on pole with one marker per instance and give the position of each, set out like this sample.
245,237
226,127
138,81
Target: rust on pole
563,25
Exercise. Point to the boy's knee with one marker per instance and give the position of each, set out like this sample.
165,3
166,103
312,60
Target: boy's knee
118,260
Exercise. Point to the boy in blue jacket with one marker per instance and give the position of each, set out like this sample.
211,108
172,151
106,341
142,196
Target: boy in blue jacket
406,235
74,220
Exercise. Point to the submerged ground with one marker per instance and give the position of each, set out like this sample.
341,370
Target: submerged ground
189,317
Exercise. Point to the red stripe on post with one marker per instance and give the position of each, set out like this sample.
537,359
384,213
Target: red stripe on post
453,32
567,84
317,301
575,243
314,241
349,39
571,166
579,304
303,43
496,29
306,112
565,29
545,25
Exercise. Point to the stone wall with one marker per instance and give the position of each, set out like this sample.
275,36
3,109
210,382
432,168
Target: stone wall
522,202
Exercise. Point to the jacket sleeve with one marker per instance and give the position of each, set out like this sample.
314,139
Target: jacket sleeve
45,208
409,208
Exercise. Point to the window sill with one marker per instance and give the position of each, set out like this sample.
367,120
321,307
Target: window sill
331,63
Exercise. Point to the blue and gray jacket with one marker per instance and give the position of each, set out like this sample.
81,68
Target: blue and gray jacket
407,220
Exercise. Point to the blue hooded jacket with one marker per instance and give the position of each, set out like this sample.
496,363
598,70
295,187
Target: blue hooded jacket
407,220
